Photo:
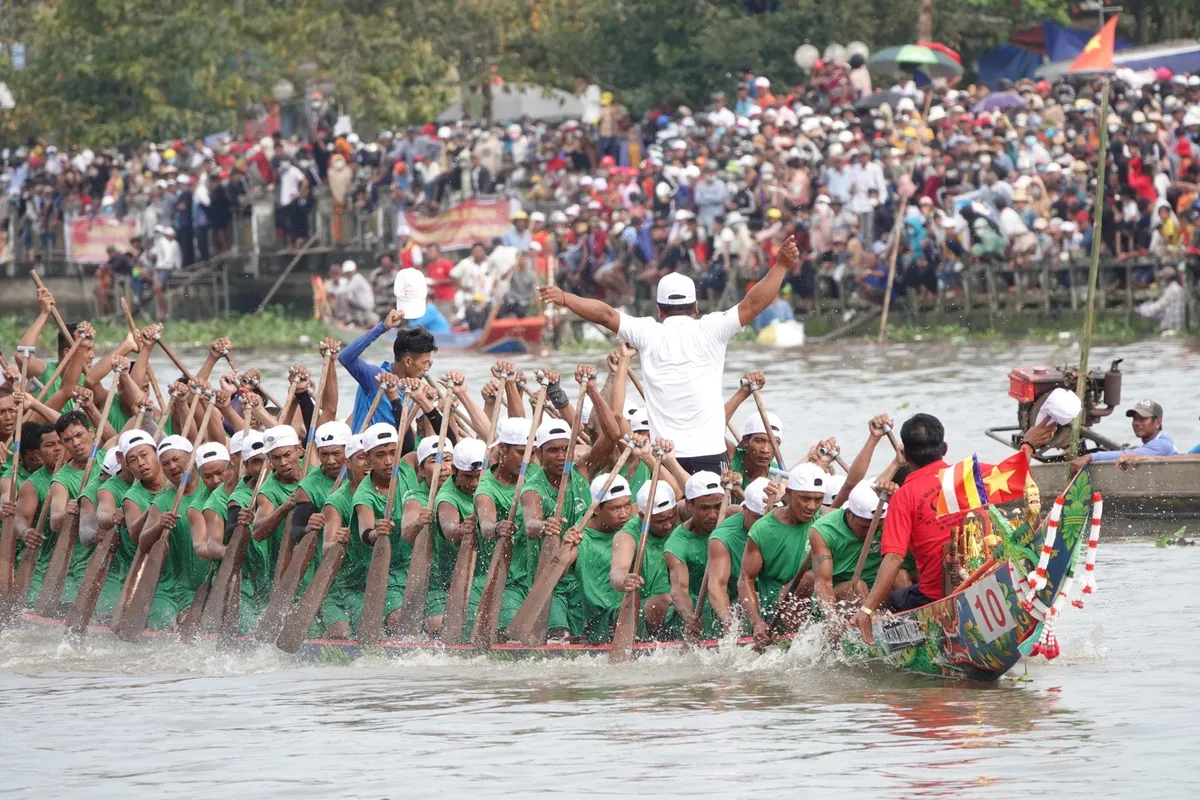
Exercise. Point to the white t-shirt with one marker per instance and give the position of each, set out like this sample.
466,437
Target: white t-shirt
683,361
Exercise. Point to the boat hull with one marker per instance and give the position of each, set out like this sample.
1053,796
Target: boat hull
1137,501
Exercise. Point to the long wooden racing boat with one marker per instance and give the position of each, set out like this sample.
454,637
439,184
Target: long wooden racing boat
977,633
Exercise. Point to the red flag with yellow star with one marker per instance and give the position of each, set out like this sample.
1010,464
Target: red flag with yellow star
1097,55
1006,481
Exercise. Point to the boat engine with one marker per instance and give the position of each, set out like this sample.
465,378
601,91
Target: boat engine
1029,386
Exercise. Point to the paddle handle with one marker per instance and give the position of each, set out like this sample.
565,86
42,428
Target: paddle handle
875,518
762,413
170,353
59,369
569,464
58,320
626,627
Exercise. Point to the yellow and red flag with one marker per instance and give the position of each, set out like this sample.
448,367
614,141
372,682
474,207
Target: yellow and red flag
1097,55
969,485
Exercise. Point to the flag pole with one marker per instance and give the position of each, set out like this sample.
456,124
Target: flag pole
1094,268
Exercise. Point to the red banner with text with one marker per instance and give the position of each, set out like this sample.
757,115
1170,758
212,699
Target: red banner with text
88,238
459,227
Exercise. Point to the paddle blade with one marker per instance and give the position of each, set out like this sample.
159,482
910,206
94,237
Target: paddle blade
8,559
522,626
487,616
416,588
542,626
271,621
626,630
459,595
191,623
231,565
370,624
93,582
231,614
133,620
49,602
297,624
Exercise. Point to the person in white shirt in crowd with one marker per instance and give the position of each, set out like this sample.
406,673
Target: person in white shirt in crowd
353,298
169,259
472,279
866,175
291,179
709,194
683,356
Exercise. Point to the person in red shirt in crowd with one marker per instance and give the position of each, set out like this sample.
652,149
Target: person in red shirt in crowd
437,269
408,252
912,524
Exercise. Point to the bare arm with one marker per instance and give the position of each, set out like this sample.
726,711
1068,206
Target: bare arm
624,550
594,311
681,598
719,566
752,563
822,564
199,531
763,293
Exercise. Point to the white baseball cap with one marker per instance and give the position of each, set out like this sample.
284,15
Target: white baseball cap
210,452
755,499
111,465
833,485
664,497
513,430
174,443
618,489
551,430
354,445
132,439
378,434
470,455
349,266
333,434
754,424
281,436
254,444
429,446
807,477
676,290
639,419
702,484
863,501
411,289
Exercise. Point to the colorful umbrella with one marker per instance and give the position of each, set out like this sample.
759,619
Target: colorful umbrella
912,57
1000,101
943,49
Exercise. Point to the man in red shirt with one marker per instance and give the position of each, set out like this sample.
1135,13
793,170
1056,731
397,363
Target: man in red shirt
437,269
912,524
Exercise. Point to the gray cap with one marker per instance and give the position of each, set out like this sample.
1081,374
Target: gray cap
1145,409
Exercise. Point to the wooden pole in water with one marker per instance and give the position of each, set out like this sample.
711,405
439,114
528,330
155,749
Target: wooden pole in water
1085,346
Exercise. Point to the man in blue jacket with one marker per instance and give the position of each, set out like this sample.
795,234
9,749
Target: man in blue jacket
412,357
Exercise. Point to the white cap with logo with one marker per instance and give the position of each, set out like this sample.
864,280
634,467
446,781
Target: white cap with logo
808,477
111,465
676,290
354,445
470,455
380,433
254,444
755,500
429,446
174,443
281,436
702,484
833,485
132,439
210,452
333,434
411,289
664,497
551,430
863,501
618,489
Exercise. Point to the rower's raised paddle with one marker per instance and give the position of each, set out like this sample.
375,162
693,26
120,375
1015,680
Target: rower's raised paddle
416,587
93,582
870,539
631,602
24,577
522,626
487,616
766,421
8,534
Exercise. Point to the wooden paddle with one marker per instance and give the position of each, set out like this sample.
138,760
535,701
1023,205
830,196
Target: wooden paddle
300,619
50,598
62,326
702,594
170,353
626,628
487,616
134,617
310,446
550,543
59,369
521,627
8,536
370,623
25,570
762,413
416,588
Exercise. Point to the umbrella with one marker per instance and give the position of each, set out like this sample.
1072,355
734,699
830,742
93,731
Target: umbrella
938,47
1000,101
912,57
877,99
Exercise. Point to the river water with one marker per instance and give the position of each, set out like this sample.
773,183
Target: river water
1115,713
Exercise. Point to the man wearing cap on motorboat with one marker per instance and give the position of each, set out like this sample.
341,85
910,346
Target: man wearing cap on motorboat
776,547
185,568
454,518
686,551
727,544
600,602
412,355
683,356
1147,419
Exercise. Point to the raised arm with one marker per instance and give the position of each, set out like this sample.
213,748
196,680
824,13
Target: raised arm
594,311
351,356
45,302
763,293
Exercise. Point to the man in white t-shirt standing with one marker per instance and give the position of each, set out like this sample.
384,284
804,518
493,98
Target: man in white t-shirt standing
683,356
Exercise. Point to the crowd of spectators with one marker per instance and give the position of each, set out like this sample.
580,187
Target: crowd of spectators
616,201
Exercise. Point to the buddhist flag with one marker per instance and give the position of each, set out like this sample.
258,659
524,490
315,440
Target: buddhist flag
1097,55
963,488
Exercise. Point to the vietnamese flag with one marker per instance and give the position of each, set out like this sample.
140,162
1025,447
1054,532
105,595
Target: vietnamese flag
1006,481
1097,55
969,485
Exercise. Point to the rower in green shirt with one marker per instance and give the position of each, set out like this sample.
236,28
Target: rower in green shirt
75,433
110,498
275,501
141,458
454,519
40,447
340,526
493,499
754,454
727,544
330,440
686,551
658,620
418,513
777,546
221,512
594,556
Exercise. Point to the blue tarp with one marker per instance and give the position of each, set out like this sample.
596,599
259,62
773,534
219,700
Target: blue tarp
1066,43
1006,61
